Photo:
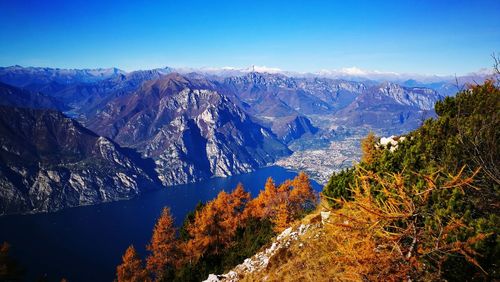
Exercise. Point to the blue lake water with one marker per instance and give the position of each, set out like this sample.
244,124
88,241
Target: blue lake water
86,243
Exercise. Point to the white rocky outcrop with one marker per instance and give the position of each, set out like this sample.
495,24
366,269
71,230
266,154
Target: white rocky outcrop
260,260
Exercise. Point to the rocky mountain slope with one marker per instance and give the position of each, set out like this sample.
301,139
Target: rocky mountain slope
390,105
293,127
189,128
85,91
89,98
199,125
16,97
277,95
290,240
49,162
272,98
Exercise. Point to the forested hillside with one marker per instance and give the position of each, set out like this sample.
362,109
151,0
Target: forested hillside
218,234
419,207
432,196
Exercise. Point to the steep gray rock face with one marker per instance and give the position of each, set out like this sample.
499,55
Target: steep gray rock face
294,127
389,106
337,93
277,100
277,95
189,128
49,162
418,97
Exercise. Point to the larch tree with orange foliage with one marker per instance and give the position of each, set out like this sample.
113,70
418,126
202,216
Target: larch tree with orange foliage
265,203
163,246
239,198
368,148
131,269
215,225
302,196
285,203
282,217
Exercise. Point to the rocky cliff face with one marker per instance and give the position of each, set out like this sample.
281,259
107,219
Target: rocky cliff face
277,95
418,97
390,105
49,162
292,128
189,128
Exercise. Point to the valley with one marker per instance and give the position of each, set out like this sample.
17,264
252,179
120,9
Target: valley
180,126
242,141
320,163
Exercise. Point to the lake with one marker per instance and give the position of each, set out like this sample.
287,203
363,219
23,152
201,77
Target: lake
86,243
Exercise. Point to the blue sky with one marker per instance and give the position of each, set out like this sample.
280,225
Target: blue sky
426,37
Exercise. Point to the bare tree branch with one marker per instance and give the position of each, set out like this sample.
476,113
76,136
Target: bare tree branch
496,63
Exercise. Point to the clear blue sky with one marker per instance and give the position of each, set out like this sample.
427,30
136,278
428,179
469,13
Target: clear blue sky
427,37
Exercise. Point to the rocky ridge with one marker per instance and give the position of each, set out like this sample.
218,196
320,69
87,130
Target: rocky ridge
191,130
310,229
390,105
49,162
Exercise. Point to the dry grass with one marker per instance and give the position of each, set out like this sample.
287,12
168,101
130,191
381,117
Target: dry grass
368,239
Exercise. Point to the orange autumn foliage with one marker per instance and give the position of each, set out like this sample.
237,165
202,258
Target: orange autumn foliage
282,218
392,237
302,195
285,203
131,269
163,245
368,148
215,225
264,204
239,200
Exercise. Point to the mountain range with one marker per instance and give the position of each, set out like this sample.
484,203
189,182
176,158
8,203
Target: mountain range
390,105
171,126
189,129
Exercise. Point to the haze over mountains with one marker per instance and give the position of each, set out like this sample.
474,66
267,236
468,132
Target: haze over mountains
177,125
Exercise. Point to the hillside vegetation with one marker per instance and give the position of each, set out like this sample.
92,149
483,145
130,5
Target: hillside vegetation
219,234
420,207
424,206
